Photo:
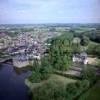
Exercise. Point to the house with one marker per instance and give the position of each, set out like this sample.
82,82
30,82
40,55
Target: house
82,57
5,40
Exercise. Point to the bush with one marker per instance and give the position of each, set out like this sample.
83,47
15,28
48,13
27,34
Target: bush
85,85
84,41
40,71
89,74
35,77
75,89
71,91
56,90
50,91
76,48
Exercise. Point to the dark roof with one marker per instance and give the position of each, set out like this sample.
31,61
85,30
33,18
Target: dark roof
83,54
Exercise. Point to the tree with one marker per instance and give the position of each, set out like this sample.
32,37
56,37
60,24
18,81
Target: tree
41,70
84,40
94,50
60,53
76,48
45,68
89,74
93,35
51,90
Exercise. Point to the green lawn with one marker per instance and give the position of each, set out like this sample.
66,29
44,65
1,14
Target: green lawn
62,79
53,78
93,93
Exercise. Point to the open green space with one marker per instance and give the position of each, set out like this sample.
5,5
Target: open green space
52,78
93,93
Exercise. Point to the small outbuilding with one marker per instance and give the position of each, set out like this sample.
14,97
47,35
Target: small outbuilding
82,57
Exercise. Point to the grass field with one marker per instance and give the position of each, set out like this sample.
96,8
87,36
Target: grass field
62,79
53,78
93,93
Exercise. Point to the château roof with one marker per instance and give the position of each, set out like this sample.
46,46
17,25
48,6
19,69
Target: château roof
83,54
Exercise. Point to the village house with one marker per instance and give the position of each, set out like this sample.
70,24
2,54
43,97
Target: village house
5,40
82,57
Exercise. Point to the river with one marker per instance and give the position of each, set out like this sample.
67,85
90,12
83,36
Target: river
12,86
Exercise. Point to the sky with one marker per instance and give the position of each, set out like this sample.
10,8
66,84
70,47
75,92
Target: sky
49,11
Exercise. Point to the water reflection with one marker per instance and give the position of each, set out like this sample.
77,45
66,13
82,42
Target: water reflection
22,70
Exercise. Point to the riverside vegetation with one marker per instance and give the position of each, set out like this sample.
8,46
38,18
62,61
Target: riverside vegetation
60,58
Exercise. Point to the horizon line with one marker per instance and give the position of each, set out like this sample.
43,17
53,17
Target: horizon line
45,23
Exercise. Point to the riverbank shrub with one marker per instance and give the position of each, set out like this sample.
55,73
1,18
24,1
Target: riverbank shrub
50,91
41,71
58,91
